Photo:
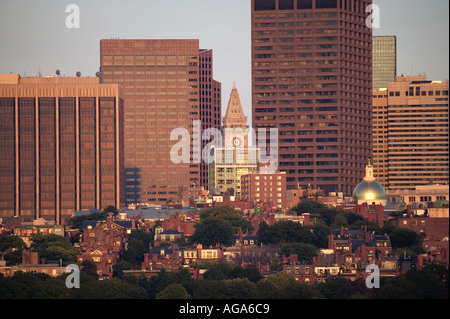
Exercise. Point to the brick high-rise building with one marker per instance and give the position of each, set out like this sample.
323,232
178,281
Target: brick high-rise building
210,104
61,141
167,85
312,79
265,188
411,136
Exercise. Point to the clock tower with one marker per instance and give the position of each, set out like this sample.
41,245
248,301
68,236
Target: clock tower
235,127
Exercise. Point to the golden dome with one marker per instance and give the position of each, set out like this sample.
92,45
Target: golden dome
369,190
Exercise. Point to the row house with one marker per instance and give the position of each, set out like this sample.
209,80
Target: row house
348,254
27,231
102,243
31,264
434,232
103,259
172,258
166,236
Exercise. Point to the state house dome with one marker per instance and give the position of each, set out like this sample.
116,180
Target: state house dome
369,190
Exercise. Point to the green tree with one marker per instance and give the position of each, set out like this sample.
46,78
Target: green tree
439,274
113,288
339,220
317,210
239,288
400,287
318,234
227,213
263,233
173,291
54,248
212,231
111,210
286,287
290,232
305,252
33,286
354,289
222,270
402,238
332,286
11,248
77,222
89,268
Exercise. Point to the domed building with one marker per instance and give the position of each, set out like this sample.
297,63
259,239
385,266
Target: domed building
369,190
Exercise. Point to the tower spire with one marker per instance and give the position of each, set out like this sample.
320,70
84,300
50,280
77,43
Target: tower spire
235,122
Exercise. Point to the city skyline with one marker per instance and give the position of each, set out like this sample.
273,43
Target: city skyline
41,24
129,171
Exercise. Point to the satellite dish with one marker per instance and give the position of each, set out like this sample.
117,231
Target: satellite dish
97,74
78,74
58,72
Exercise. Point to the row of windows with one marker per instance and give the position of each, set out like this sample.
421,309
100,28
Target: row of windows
264,5
418,92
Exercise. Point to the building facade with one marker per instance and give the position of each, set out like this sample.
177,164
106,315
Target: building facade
234,158
384,61
164,83
265,188
210,104
312,79
62,147
411,135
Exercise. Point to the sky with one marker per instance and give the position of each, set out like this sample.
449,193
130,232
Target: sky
34,38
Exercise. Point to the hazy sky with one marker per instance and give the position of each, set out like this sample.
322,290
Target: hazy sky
34,36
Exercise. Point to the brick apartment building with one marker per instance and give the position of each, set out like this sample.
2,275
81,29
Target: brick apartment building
265,188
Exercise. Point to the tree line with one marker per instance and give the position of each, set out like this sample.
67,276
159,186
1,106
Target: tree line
224,280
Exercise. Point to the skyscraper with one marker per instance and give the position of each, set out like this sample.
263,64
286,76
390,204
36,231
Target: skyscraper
210,103
234,158
312,79
411,135
62,146
164,83
384,61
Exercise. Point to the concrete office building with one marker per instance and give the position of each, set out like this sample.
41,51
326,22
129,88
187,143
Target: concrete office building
312,79
411,138
61,142
167,85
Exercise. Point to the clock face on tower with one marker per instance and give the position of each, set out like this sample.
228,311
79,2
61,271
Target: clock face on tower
236,141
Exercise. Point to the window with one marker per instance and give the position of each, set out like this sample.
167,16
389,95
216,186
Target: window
286,4
261,5
326,4
304,4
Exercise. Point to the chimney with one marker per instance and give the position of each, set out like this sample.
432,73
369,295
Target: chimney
330,242
34,258
25,257
364,253
294,259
